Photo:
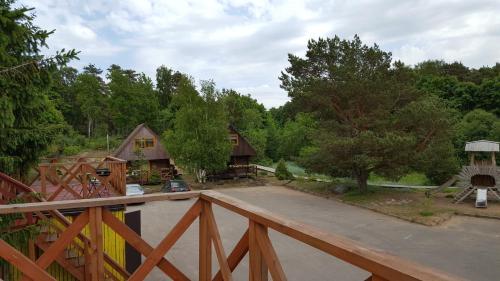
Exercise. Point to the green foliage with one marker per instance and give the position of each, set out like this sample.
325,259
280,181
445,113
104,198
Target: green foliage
132,100
374,120
18,237
71,150
295,135
199,139
282,172
29,121
167,81
154,178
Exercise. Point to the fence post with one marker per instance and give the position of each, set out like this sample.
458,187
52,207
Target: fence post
257,269
205,258
96,244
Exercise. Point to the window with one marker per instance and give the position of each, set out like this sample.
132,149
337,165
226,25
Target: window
233,138
144,143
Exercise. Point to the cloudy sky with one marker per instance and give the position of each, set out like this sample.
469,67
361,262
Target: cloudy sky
243,44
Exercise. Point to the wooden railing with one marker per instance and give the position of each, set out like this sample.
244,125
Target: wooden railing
77,178
254,241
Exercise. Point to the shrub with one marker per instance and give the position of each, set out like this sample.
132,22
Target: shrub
282,172
154,178
71,150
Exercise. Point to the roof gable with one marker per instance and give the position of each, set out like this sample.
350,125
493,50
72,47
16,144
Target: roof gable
482,146
243,148
126,149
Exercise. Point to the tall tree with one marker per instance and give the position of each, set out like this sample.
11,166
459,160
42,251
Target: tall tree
199,140
133,99
167,81
363,103
29,121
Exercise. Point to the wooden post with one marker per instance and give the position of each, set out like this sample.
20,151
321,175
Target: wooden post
96,244
205,258
43,180
85,183
472,157
257,269
493,159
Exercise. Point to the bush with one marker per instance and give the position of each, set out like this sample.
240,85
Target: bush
282,172
71,150
154,178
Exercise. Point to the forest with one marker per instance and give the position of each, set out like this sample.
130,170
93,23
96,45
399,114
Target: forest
354,110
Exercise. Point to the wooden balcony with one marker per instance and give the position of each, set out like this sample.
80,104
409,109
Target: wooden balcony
79,178
255,241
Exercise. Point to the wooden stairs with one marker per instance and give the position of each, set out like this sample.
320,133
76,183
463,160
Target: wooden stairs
57,246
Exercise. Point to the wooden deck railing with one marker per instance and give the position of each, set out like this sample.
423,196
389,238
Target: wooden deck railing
254,241
77,178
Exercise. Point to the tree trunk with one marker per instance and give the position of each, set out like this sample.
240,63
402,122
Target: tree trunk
89,126
362,179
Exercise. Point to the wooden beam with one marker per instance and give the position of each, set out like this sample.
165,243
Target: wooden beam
155,256
94,202
205,246
96,247
140,245
66,237
257,269
379,263
238,253
269,254
22,263
219,248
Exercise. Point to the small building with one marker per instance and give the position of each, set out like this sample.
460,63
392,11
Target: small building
242,153
144,144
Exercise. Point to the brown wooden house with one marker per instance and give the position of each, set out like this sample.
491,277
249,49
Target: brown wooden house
143,139
239,163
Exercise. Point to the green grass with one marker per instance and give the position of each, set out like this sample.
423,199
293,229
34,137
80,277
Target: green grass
413,178
426,213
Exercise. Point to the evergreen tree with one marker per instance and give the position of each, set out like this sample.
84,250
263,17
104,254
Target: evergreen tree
29,121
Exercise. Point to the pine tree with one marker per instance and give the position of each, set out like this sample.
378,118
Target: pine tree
29,121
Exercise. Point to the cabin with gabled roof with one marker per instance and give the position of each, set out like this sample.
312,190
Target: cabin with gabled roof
144,140
241,155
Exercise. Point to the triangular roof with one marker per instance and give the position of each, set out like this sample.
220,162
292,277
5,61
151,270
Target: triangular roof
243,148
157,152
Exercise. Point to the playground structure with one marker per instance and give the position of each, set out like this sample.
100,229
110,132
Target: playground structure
481,177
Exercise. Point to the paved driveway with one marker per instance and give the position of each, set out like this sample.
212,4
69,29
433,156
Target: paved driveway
467,247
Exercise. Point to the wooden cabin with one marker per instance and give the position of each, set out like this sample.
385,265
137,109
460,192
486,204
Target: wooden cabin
239,163
144,144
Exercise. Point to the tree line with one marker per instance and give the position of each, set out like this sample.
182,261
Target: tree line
353,109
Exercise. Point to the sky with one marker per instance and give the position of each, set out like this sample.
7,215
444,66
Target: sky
244,44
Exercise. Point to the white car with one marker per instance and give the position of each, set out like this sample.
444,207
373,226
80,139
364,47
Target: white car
134,189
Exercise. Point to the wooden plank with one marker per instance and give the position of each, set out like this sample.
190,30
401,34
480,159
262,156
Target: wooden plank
43,180
94,202
96,251
60,259
380,263
238,253
155,256
24,264
219,248
258,268
205,246
269,254
64,240
140,245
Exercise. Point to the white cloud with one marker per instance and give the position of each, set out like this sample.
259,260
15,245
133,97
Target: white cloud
243,44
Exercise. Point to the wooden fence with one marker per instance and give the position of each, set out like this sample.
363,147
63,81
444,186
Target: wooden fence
255,241
78,178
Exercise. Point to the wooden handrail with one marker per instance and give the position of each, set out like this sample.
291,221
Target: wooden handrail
94,202
381,265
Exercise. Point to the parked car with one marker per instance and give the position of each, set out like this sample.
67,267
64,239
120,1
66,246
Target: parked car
134,189
175,186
